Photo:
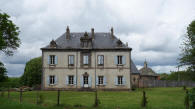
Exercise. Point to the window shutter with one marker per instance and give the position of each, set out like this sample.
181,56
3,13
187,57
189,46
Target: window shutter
56,59
81,81
124,82
97,80
66,80
115,60
104,80
48,60
84,59
98,59
123,60
72,59
69,60
75,80
116,81
48,82
89,78
56,80
102,59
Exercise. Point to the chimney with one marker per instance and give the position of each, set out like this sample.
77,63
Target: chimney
127,44
145,64
112,33
92,33
67,33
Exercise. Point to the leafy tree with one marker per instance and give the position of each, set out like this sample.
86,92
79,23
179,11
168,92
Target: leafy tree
9,32
3,71
164,76
188,51
32,72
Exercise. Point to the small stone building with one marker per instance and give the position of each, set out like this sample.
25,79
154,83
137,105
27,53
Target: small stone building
144,74
147,73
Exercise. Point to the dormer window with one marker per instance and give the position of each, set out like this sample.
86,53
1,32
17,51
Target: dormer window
53,44
119,43
86,41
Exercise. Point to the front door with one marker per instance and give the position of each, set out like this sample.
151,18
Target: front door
86,81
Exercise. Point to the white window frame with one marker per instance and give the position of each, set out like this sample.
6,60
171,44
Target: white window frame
52,79
100,59
52,59
85,79
100,80
85,59
120,80
70,79
120,59
71,60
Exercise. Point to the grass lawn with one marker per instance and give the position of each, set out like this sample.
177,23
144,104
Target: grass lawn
158,98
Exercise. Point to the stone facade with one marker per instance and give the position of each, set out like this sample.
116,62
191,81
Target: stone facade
111,75
143,75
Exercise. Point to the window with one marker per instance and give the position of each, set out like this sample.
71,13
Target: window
71,79
86,59
52,79
85,78
119,59
100,79
85,44
120,80
100,60
52,59
71,60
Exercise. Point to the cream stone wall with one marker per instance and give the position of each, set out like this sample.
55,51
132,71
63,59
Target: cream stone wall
109,70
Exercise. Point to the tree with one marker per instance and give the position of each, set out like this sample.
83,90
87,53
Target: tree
32,72
9,32
3,71
188,51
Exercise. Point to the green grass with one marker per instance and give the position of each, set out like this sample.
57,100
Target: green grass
158,98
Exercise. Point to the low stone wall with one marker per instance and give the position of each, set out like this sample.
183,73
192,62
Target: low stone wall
164,83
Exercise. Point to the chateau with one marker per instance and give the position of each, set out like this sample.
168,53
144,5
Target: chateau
81,60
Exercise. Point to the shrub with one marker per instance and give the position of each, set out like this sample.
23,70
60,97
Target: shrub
97,101
40,99
184,87
2,93
133,87
144,100
187,101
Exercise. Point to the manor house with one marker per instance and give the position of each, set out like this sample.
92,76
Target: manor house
87,60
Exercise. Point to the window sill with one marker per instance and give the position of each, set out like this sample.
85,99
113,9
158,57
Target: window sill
71,66
101,85
52,65
52,84
120,64
120,85
70,84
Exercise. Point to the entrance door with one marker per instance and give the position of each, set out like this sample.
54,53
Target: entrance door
86,81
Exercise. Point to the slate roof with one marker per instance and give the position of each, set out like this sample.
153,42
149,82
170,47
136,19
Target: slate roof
146,71
101,41
134,69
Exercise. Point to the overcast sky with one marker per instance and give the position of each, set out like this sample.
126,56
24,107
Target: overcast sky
153,28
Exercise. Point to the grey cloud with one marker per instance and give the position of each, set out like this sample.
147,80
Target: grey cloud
152,28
